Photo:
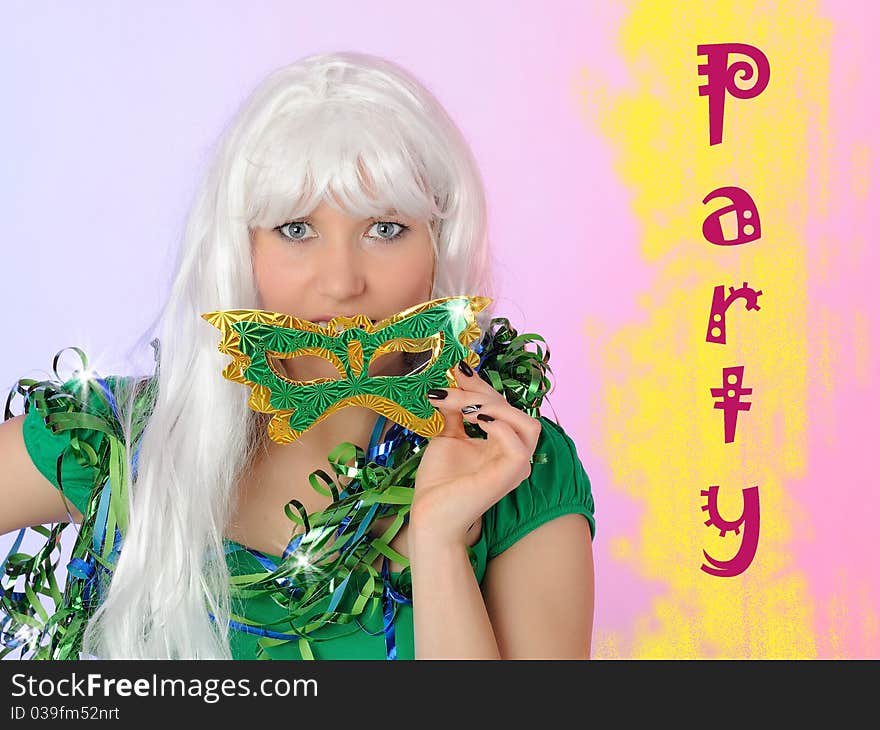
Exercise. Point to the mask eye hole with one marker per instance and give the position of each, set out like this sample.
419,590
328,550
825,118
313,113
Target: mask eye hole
391,359
305,367
398,363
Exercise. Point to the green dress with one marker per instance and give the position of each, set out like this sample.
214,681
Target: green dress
558,485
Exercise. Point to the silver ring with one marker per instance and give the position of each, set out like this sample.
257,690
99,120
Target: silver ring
471,409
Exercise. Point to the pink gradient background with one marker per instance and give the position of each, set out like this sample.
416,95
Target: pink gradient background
111,111
842,491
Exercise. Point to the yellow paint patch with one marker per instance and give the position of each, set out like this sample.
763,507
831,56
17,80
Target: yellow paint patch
663,439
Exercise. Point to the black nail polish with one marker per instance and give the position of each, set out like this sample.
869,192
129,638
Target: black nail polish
484,417
471,409
465,368
437,393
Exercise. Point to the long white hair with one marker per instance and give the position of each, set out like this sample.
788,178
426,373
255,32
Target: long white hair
306,133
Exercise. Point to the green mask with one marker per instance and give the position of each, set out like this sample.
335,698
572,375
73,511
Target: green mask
254,338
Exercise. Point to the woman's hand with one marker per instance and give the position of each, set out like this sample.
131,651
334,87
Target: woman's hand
460,477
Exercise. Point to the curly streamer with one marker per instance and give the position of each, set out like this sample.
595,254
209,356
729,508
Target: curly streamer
325,575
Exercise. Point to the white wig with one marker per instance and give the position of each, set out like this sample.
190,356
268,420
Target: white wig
309,132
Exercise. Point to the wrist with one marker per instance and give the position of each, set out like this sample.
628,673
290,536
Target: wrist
435,557
427,536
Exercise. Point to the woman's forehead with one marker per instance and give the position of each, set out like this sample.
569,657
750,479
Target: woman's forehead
325,210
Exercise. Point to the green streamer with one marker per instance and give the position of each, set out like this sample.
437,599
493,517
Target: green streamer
336,585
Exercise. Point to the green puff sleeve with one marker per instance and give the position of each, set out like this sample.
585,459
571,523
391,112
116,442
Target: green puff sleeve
558,487
47,448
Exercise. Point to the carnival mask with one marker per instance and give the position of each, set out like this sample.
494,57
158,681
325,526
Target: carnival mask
254,338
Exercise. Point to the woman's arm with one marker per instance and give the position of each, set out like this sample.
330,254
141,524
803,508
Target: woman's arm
28,498
540,592
536,602
450,620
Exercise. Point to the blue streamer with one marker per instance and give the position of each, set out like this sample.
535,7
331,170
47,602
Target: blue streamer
390,597
377,431
7,639
378,453
248,629
80,568
110,397
134,459
101,518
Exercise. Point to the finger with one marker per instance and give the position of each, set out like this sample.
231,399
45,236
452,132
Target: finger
453,422
472,382
453,425
516,457
455,399
526,428
487,397
496,406
454,405
470,400
471,390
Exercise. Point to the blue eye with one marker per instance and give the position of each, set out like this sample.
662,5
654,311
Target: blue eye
292,225
387,225
295,230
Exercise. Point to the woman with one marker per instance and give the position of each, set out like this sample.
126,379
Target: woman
342,188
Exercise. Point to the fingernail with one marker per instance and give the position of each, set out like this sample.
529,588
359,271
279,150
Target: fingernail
465,368
437,393
484,417
471,409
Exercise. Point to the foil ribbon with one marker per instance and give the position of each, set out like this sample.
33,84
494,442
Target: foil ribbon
255,339
335,544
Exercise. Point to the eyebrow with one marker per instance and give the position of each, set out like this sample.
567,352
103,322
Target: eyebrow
389,214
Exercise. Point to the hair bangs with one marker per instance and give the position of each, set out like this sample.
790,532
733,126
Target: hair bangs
350,158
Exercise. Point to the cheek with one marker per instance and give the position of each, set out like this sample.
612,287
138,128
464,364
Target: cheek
411,273
276,284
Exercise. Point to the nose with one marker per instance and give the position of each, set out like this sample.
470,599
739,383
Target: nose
342,276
